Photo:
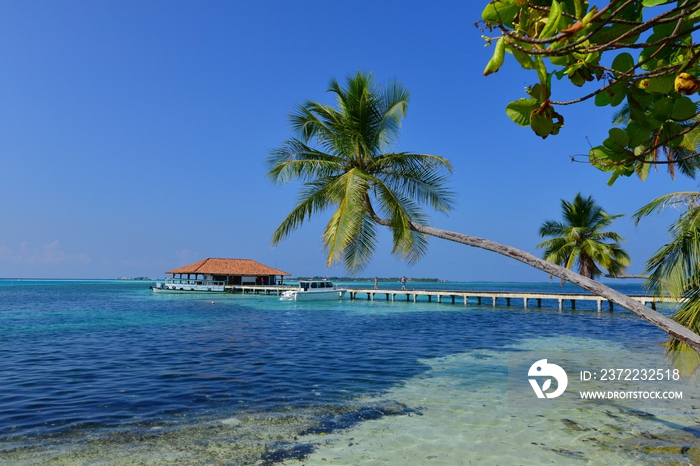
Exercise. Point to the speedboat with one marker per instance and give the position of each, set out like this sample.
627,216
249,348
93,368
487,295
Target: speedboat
314,290
183,285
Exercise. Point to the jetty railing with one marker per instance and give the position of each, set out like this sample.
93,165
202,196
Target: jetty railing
466,297
524,296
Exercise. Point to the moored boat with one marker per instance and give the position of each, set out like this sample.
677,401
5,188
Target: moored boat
314,290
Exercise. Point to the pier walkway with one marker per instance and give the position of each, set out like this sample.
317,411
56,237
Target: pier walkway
465,297
505,296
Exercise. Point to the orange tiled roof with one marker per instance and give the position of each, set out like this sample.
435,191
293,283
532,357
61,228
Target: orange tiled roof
228,267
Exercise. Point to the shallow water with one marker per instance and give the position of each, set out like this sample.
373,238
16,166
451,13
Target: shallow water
108,373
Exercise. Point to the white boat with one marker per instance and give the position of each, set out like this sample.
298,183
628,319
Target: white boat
184,285
314,290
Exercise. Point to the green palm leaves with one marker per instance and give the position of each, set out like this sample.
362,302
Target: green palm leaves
580,241
674,269
344,158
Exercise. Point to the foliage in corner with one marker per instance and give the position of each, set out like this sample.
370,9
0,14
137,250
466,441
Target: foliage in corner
637,52
674,270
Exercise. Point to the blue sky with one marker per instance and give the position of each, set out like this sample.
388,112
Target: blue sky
133,135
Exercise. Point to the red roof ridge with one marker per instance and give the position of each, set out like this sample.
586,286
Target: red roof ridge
227,266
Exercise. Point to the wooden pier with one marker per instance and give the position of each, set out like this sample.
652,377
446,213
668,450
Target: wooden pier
493,296
463,297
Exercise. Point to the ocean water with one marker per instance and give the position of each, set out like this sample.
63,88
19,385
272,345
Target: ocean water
106,372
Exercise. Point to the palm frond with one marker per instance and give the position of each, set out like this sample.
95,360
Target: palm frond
315,197
421,176
682,199
347,220
295,160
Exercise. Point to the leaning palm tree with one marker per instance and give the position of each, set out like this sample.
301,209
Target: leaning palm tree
581,242
343,158
674,269
355,170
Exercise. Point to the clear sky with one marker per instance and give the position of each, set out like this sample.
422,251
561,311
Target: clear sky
133,135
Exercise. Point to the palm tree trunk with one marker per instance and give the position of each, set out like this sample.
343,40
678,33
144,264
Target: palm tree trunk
666,324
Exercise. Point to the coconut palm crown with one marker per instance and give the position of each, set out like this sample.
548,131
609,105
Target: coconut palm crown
344,157
580,242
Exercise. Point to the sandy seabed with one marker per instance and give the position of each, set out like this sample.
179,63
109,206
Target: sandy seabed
466,414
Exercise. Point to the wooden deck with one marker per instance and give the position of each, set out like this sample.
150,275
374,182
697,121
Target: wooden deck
463,297
477,297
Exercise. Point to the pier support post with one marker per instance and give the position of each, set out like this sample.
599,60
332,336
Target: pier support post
573,304
611,305
430,299
600,304
466,300
507,301
478,300
494,301
525,302
653,305
561,304
539,302
415,297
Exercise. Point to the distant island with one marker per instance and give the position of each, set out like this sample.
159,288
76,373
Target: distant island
134,278
365,279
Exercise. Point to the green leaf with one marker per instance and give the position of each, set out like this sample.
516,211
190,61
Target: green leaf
642,170
612,33
536,93
520,110
669,132
599,157
577,80
496,60
661,85
619,92
541,124
525,60
617,140
683,109
602,98
503,11
542,73
623,63
552,25
637,133
650,3
624,170
662,108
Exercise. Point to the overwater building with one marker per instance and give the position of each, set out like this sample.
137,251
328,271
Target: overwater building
231,272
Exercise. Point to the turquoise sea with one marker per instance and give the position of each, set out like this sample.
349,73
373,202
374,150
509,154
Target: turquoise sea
107,373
